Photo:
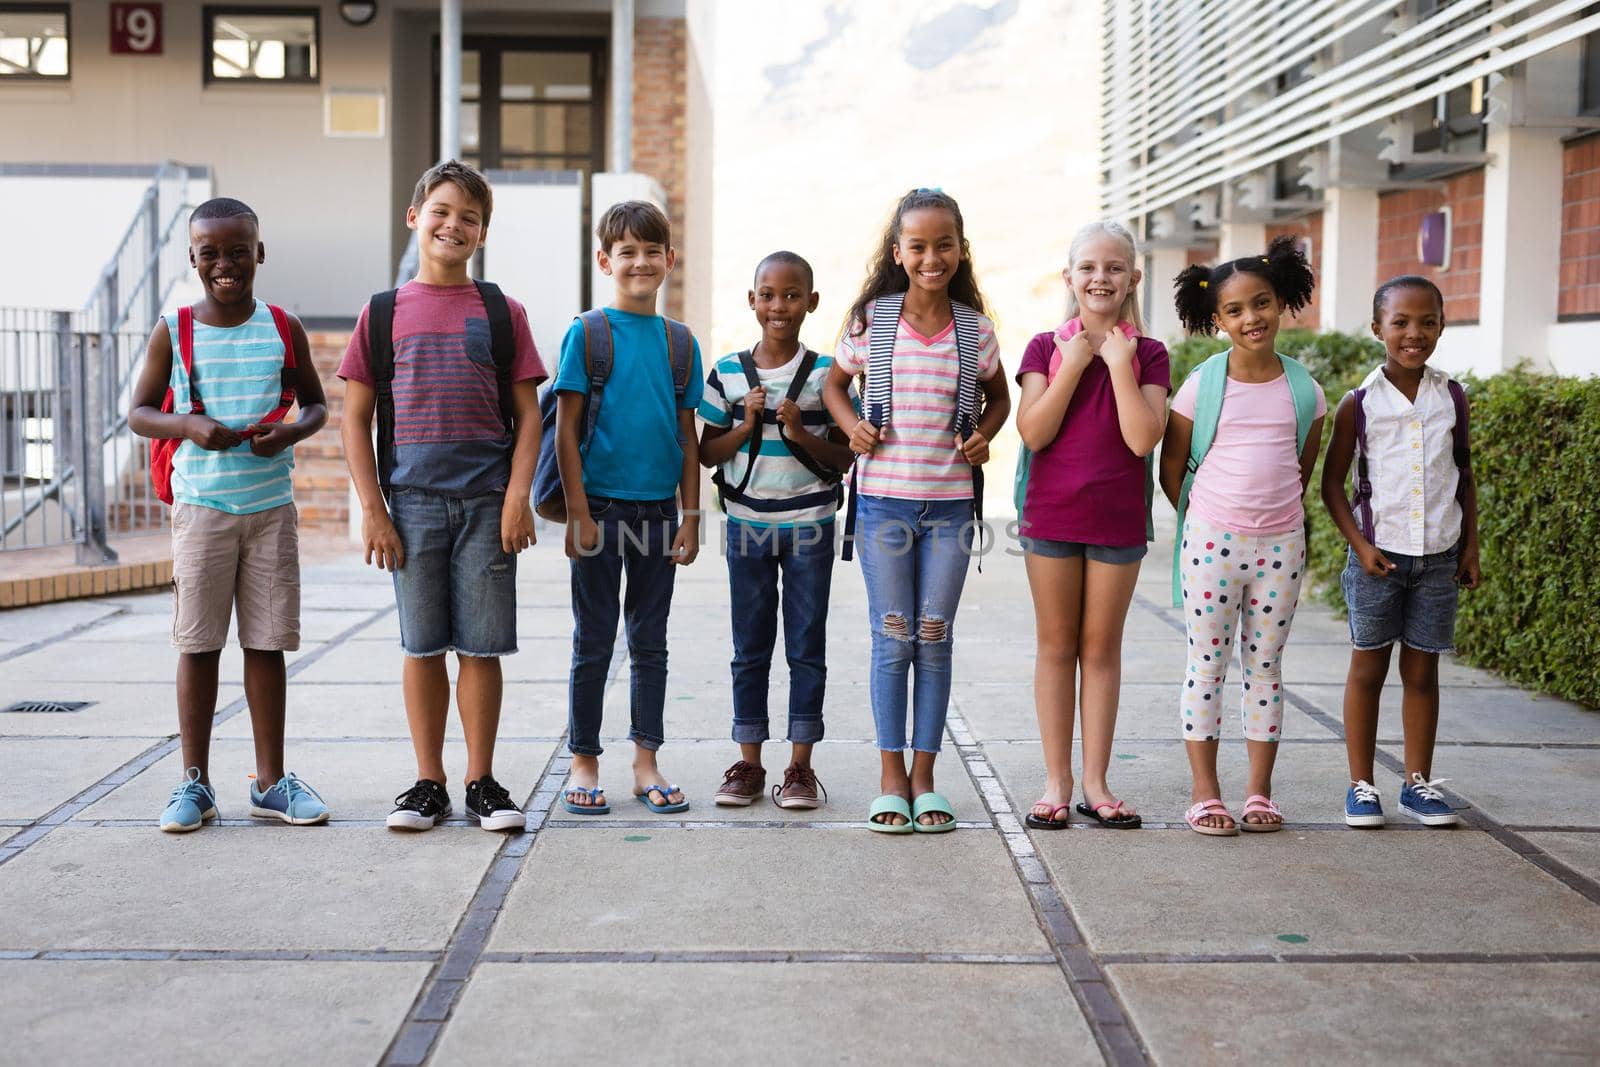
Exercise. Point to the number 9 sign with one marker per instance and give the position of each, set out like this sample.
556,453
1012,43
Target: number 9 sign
136,29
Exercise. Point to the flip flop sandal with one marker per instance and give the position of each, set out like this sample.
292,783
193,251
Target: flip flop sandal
1257,804
889,804
1119,819
663,808
1039,822
590,808
931,802
1204,808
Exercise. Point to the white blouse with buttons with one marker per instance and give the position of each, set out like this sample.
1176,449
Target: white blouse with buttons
1411,464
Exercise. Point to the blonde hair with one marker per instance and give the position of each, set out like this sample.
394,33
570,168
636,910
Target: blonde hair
1129,312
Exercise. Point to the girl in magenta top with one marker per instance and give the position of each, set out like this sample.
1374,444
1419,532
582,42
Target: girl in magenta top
1094,395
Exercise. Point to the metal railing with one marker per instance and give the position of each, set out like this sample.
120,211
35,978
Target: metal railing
71,473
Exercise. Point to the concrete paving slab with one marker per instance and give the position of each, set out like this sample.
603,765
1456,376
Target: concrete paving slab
1478,715
358,596
325,710
1366,1013
1159,659
357,779
1327,891
139,709
622,1013
133,1012
1527,786
36,775
42,621
1153,777
1581,852
849,770
119,662
1146,710
600,889
223,888
704,709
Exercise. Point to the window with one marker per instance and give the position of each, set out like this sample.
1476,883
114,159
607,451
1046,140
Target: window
33,42
256,44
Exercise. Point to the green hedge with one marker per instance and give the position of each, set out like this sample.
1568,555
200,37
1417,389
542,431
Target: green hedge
1536,453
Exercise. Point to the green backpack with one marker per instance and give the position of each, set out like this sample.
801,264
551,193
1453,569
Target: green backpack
1208,408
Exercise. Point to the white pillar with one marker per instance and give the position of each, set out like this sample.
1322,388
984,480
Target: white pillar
1521,246
1349,258
1162,265
1238,239
449,79
621,86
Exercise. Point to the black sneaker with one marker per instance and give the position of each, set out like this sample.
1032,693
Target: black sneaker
420,807
489,802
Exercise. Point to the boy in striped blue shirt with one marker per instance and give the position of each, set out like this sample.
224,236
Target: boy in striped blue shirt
778,456
234,533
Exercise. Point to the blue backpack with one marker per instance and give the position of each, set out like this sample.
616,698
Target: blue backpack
599,358
1208,408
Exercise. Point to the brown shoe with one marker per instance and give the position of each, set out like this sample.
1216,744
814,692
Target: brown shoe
742,785
799,789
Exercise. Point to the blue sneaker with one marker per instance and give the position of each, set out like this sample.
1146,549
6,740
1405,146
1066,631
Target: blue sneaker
1421,799
190,804
1361,805
288,799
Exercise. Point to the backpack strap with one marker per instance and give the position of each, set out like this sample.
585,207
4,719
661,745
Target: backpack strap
186,355
680,352
880,357
1207,409
1462,450
969,397
288,391
752,377
380,364
1362,500
502,346
1303,390
797,385
599,357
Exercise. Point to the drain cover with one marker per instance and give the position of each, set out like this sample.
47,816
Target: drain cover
47,707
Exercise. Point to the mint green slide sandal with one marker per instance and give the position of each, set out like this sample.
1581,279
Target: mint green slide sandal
889,804
936,803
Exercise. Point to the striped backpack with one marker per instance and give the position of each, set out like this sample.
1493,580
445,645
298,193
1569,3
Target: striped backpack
877,396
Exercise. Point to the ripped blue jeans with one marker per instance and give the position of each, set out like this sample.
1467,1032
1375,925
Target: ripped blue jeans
914,556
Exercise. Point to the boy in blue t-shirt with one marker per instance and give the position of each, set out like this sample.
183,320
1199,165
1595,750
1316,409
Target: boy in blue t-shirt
622,494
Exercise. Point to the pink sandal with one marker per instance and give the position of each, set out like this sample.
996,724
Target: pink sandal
1205,808
1050,822
1261,805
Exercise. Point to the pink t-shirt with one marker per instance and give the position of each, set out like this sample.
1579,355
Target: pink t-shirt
1250,480
1087,485
916,457
448,433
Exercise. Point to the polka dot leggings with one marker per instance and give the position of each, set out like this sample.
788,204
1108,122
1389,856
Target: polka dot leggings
1242,586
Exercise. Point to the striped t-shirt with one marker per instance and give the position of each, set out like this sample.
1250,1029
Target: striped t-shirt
917,457
778,475
238,372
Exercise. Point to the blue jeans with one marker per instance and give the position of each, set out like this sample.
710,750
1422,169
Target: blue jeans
1414,604
914,557
636,537
803,555
457,590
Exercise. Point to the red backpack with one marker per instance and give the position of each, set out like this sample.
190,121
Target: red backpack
163,449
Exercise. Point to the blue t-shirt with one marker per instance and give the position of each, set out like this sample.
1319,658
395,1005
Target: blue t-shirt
635,453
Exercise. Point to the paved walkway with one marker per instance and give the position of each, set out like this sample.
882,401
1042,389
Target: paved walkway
760,935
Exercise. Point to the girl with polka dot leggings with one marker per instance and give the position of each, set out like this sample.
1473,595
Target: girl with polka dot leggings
1239,447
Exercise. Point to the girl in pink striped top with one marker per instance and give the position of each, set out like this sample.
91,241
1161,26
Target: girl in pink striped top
934,396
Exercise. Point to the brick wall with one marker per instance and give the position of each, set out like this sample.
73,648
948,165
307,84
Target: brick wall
1580,229
321,483
1309,229
660,124
1399,218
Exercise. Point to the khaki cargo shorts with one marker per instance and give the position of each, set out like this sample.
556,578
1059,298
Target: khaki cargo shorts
219,560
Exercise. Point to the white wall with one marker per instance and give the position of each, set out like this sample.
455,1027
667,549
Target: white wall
531,254
57,246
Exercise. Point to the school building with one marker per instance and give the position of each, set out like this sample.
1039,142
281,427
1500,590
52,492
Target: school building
1457,139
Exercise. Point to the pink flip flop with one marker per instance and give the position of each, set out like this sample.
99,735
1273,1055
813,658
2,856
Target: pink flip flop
1050,823
1257,804
1205,808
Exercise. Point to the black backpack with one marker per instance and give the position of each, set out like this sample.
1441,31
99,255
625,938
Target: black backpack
833,494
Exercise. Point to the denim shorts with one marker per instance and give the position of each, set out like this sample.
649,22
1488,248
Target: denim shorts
457,589
1040,546
1415,603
